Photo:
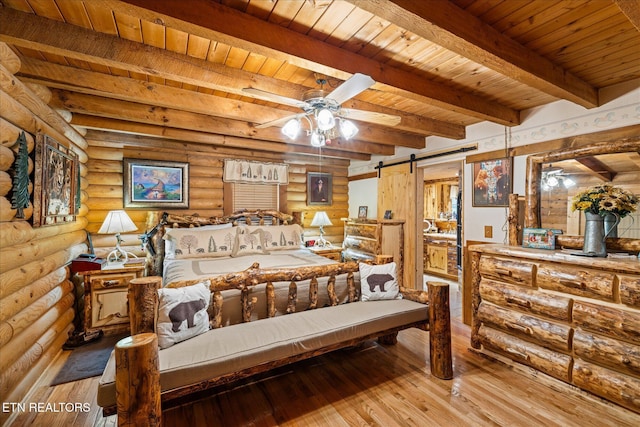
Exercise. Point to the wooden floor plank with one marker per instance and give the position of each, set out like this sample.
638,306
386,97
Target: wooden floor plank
369,385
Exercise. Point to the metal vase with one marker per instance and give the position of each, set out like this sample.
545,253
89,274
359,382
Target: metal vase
594,236
611,222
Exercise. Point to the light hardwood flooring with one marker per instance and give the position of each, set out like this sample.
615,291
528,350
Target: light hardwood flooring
371,385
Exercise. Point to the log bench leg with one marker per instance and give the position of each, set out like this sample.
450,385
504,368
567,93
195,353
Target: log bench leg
143,303
440,331
389,339
138,381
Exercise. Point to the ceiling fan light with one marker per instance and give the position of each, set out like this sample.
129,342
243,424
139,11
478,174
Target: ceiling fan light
291,129
568,182
317,139
552,181
325,119
348,129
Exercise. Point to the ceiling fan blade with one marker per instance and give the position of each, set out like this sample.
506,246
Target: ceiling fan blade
268,96
281,121
370,116
350,88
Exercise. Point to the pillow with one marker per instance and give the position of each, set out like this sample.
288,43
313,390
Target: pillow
280,237
182,313
379,282
197,242
215,226
248,241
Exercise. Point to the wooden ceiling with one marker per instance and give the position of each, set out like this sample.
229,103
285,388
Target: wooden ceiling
161,69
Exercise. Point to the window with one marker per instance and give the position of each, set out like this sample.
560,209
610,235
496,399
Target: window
255,196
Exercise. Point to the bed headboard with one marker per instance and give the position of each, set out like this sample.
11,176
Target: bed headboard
156,223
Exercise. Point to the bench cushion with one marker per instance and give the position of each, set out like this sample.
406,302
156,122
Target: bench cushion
234,348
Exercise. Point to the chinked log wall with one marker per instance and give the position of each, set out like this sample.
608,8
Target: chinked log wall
206,189
36,295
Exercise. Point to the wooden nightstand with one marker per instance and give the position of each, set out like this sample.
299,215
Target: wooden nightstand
333,252
106,306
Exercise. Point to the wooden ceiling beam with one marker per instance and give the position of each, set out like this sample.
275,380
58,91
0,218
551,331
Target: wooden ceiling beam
370,140
37,33
132,131
630,9
598,168
255,35
449,26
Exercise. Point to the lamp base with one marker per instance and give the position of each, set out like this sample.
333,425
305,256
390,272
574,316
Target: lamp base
322,243
119,256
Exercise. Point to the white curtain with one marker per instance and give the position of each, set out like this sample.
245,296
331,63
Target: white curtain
245,171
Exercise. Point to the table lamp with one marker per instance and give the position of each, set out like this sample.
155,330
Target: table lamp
320,219
117,222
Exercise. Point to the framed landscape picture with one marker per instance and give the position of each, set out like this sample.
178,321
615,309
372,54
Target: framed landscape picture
492,182
156,184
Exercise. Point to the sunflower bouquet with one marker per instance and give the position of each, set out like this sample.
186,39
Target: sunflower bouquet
604,199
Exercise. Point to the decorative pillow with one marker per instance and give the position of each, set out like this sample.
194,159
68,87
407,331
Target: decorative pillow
280,237
248,242
182,313
198,242
379,282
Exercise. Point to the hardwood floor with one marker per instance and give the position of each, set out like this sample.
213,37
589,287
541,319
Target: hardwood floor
371,385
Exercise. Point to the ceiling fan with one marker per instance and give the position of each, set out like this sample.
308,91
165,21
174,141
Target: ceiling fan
553,176
326,109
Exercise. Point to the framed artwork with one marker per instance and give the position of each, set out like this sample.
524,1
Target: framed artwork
362,212
56,198
388,214
492,182
156,184
539,238
319,186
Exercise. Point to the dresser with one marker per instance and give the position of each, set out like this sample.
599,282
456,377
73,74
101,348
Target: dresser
440,255
574,318
364,239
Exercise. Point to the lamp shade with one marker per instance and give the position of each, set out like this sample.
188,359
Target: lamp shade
320,219
117,222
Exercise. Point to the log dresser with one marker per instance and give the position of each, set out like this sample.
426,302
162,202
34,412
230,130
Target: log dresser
571,317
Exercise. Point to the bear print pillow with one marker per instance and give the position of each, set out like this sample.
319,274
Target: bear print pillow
182,313
378,282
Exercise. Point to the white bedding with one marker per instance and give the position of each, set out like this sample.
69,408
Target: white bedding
194,268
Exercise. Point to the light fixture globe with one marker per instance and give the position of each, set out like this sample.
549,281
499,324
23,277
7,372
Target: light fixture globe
552,181
325,119
568,182
347,129
292,128
317,139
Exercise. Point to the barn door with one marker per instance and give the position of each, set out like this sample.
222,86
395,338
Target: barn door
400,189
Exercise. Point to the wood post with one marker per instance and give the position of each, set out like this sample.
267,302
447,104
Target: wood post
138,381
143,303
513,219
440,331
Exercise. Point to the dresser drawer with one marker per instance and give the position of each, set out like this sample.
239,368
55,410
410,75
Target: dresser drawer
108,281
547,334
617,387
361,244
606,351
369,231
512,271
614,322
528,300
630,290
577,281
550,362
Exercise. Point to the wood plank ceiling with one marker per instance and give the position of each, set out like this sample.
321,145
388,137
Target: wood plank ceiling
175,70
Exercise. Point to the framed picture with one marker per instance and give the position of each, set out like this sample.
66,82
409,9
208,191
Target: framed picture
539,238
362,212
156,184
388,214
492,182
319,187
56,191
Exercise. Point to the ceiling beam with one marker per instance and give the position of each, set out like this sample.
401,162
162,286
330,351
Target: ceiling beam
127,89
370,139
630,9
449,26
255,35
34,32
135,131
598,168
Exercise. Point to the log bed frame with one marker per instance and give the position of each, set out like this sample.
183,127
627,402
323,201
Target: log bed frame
138,394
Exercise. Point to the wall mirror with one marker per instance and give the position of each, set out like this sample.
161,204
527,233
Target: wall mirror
554,177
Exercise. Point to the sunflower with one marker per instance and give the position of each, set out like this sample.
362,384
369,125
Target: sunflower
603,199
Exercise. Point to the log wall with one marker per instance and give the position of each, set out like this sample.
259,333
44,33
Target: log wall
36,295
206,188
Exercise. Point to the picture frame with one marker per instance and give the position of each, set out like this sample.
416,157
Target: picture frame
539,238
319,188
155,184
492,182
362,212
388,214
56,198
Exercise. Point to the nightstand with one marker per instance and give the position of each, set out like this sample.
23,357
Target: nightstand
333,252
106,306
